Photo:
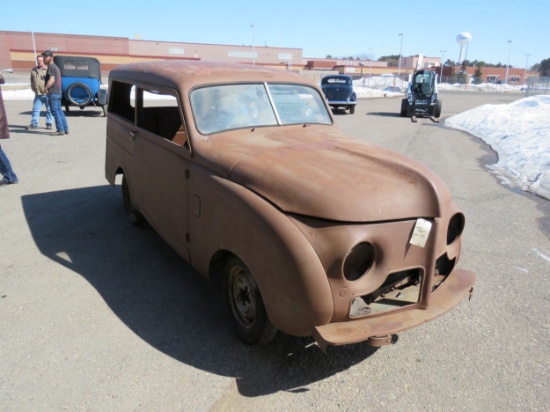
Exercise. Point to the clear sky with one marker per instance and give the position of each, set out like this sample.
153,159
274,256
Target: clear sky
319,27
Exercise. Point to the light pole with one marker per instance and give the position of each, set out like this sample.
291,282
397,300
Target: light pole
508,65
400,49
362,65
442,59
253,47
370,64
525,73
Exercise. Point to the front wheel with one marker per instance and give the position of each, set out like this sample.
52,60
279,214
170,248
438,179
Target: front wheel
248,316
352,109
135,217
437,109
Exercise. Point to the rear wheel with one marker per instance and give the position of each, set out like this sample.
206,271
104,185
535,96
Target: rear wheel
404,107
248,316
135,217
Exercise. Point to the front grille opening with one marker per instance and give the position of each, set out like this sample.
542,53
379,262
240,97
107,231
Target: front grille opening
400,289
443,267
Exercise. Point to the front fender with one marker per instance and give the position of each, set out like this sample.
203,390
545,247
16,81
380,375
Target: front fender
289,274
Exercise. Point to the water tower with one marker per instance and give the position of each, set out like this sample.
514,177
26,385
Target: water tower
463,39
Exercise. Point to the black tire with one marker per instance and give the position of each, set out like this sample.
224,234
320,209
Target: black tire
404,107
135,217
436,112
66,108
352,109
247,314
82,94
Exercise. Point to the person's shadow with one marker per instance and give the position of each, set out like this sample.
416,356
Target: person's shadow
162,299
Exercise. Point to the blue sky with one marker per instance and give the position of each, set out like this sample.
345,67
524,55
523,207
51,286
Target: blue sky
318,27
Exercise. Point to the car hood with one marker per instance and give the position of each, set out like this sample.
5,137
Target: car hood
330,176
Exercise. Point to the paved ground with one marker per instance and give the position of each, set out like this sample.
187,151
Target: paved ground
97,315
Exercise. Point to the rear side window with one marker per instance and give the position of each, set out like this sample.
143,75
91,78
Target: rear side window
120,95
156,111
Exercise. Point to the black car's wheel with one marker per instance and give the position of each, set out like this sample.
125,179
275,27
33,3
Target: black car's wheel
79,94
437,109
248,316
352,109
135,217
404,107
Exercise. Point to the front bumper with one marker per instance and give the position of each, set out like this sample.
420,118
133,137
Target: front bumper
342,102
377,330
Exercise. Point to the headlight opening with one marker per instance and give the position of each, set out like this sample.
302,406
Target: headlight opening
358,261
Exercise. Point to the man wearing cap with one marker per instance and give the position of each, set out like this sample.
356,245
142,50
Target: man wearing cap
53,89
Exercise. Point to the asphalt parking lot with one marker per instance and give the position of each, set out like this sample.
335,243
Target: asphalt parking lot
98,315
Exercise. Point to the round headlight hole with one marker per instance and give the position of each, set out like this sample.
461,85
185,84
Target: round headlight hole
456,226
358,261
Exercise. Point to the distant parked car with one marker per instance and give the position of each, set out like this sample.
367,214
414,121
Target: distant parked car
81,82
338,90
393,89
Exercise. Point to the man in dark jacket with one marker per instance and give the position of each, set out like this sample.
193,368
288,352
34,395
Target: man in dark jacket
53,90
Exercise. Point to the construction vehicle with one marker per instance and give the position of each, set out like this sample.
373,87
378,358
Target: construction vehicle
422,96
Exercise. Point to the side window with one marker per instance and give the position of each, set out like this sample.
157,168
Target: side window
159,113
120,100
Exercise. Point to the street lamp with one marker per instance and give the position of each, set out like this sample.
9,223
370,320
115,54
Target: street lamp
508,65
442,59
525,73
370,64
253,47
400,49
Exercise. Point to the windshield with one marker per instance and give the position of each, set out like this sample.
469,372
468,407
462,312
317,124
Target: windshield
234,106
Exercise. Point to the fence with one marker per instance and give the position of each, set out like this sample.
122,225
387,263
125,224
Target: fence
537,85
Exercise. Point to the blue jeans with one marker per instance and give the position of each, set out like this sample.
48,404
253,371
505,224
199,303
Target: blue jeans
55,106
5,167
37,104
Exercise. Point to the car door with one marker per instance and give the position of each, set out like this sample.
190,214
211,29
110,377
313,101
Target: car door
161,162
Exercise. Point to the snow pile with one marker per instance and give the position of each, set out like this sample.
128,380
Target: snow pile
520,134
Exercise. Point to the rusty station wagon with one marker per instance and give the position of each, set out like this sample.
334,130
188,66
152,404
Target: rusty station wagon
242,170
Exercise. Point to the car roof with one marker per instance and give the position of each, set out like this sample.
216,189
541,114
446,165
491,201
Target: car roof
68,66
188,74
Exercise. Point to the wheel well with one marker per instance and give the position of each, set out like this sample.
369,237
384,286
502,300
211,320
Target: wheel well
217,264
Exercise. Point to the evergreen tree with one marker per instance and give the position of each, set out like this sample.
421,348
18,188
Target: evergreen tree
544,68
478,75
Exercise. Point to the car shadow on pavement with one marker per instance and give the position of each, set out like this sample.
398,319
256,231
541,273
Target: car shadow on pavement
88,111
385,114
162,299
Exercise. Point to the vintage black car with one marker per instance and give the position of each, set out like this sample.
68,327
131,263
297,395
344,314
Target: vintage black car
81,82
338,90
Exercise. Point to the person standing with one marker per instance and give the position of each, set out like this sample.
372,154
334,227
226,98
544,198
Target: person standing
9,176
52,88
38,80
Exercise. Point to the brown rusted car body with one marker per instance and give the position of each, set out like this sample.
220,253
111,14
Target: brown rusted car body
326,235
